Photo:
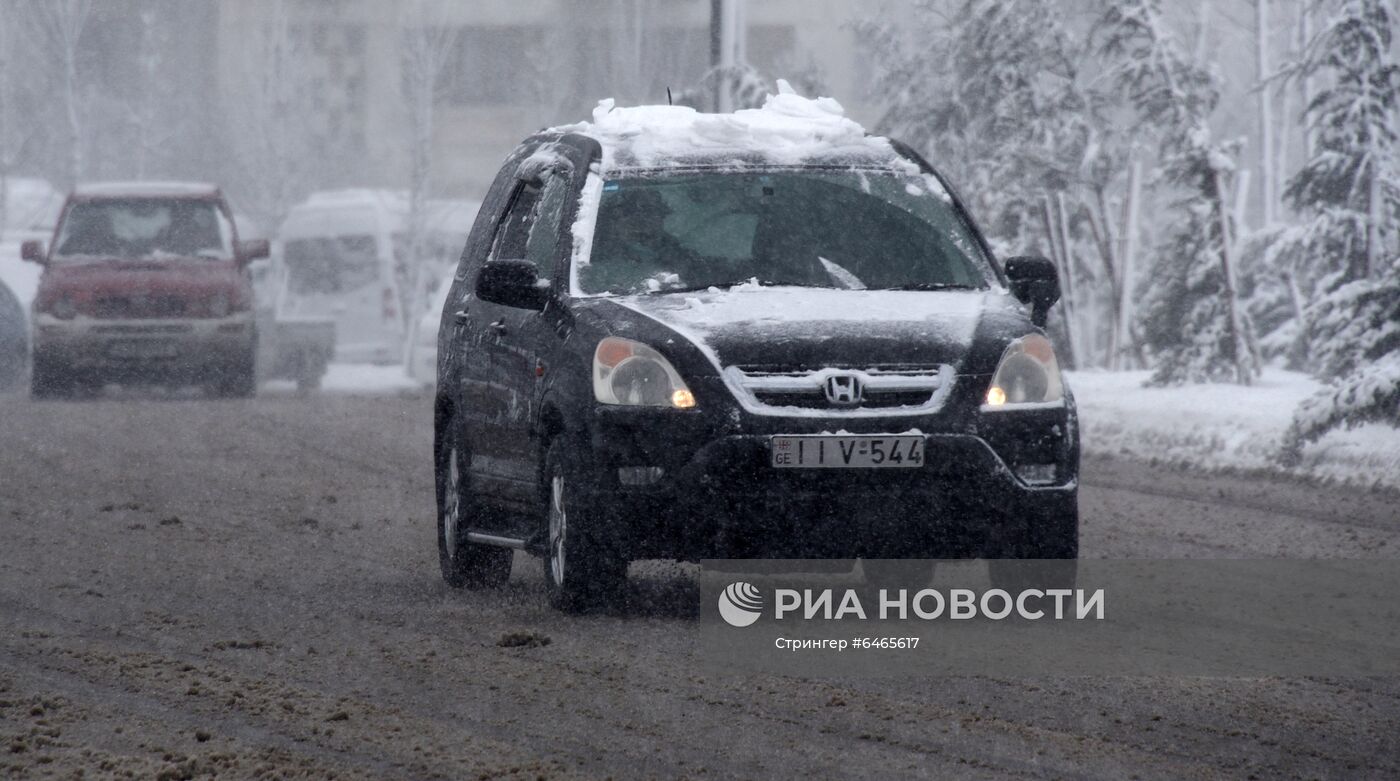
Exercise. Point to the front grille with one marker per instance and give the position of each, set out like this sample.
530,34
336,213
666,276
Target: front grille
138,307
817,400
142,329
882,386
797,370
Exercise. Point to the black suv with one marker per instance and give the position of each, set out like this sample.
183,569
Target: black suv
756,335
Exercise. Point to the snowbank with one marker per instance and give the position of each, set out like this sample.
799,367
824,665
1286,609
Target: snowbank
1225,427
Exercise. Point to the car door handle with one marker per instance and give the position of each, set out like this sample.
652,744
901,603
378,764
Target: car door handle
499,326
460,316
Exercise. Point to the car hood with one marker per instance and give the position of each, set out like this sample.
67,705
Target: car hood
817,328
122,288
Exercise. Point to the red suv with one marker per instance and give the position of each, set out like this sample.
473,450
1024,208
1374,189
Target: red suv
144,283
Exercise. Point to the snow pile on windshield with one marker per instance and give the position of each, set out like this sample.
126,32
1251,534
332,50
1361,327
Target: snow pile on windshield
788,130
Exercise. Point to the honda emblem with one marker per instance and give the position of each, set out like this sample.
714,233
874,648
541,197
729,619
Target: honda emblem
843,390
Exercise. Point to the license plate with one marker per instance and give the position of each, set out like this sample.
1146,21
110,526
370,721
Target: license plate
141,350
848,452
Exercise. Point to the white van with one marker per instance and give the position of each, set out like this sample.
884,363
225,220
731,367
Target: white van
338,252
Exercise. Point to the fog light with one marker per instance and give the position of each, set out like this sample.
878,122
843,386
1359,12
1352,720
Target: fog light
996,397
682,399
1036,474
639,475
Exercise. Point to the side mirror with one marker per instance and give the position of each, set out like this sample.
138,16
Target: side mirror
251,250
1036,283
32,251
514,283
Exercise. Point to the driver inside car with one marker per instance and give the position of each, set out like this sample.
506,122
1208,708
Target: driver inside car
633,252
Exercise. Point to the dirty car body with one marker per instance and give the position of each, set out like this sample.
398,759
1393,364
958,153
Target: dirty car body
820,358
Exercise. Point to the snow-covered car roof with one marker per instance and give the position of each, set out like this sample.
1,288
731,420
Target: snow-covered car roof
359,196
145,189
788,130
346,212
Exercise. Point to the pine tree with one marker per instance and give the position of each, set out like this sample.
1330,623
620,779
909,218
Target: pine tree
994,101
1350,191
1194,322
992,93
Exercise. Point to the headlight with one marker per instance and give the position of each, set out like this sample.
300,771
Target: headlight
63,309
1028,374
631,373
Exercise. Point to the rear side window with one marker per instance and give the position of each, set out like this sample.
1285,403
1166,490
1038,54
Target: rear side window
331,264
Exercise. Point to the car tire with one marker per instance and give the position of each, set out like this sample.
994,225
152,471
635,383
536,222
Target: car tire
894,574
309,377
582,571
239,380
464,564
48,381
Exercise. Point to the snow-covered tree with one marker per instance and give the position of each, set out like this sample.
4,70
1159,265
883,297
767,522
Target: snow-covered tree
58,26
427,43
1194,323
1349,192
1350,187
272,146
150,123
741,85
991,91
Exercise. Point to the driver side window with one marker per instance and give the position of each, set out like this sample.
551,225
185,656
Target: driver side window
530,229
542,246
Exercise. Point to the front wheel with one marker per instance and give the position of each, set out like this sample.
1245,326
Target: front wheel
238,380
581,571
464,564
50,381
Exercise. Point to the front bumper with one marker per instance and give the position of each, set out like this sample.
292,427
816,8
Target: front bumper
144,348
718,494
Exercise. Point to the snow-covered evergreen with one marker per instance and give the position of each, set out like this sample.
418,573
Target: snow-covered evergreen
993,100
1349,196
1194,322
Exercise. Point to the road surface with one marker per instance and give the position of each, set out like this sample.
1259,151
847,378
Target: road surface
250,589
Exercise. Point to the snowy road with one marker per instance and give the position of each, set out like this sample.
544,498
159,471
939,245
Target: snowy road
250,588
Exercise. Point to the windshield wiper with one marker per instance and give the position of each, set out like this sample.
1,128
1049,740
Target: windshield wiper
929,286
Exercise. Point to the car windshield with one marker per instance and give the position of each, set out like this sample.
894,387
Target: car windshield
145,228
329,265
846,229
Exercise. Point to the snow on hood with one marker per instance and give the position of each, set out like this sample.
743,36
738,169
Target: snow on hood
788,130
752,325
715,319
752,303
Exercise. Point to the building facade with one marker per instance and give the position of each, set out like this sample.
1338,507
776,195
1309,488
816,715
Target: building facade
332,71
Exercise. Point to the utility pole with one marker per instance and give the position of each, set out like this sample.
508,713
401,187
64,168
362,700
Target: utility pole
728,47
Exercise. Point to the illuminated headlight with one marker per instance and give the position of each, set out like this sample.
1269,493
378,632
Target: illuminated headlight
1028,374
219,305
64,309
631,373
